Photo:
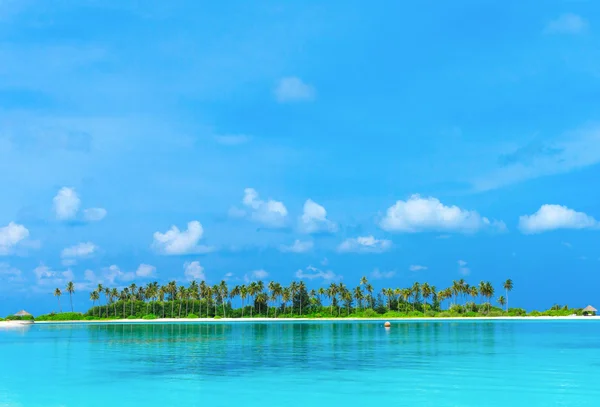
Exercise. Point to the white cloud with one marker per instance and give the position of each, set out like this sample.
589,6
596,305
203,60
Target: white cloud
194,271
256,275
232,140
417,267
94,214
293,89
418,214
270,213
312,273
79,250
48,278
314,219
365,244
66,203
12,235
176,241
298,247
380,275
113,274
145,271
552,217
462,268
9,274
568,23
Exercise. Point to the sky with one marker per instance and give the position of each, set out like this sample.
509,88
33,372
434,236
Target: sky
425,141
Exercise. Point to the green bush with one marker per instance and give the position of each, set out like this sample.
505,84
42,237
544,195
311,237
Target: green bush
16,318
89,318
217,317
63,316
517,312
318,315
445,314
132,317
471,314
192,316
535,314
431,314
150,316
415,314
369,313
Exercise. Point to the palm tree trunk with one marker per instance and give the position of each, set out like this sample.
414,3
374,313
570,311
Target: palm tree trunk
71,298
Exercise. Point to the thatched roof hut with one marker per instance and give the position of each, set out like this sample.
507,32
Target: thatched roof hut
23,313
589,310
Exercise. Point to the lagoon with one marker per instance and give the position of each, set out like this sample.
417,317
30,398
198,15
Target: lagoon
297,363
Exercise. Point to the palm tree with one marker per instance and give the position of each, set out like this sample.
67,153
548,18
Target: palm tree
243,295
224,292
71,290
426,291
369,289
94,296
57,294
201,294
99,290
133,288
301,291
332,292
358,296
508,286
114,293
286,295
502,300
162,292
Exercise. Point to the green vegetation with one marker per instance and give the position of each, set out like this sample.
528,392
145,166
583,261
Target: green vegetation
19,318
200,300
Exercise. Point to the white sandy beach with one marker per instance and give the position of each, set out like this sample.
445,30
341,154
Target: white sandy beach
382,320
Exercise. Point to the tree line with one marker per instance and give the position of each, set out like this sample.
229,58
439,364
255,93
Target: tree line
274,299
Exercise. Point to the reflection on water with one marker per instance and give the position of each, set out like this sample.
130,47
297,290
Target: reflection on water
334,363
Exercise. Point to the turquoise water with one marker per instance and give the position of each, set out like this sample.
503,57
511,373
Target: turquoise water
462,363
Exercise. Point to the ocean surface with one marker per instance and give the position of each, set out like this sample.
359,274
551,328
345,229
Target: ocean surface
445,363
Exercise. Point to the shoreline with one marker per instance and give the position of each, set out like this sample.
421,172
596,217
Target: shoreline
263,320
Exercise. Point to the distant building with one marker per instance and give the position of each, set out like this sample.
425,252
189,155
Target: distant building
589,310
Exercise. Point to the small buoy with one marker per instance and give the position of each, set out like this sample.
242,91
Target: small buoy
387,324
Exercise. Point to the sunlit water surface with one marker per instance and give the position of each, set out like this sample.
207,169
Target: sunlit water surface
447,363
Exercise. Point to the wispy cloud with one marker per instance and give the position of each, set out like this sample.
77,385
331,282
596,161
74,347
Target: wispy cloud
293,89
462,268
568,23
381,275
298,247
232,139
312,273
365,244
570,151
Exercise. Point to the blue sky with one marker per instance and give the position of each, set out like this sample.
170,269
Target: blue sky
406,142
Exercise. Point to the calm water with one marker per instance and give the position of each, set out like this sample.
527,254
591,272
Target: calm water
464,363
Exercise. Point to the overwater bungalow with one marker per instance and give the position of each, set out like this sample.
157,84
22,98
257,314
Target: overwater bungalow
589,311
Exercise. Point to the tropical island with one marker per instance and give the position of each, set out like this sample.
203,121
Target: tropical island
274,300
